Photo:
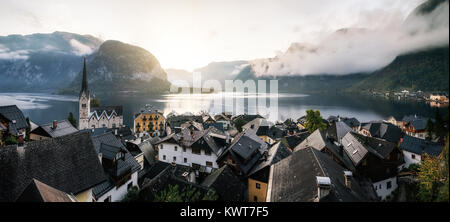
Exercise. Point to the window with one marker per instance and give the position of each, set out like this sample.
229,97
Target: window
185,160
113,125
413,156
196,150
103,125
164,157
208,152
258,186
176,148
209,164
388,185
83,105
129,186
174,159
93,126
161,146
255,198
184,149
119,155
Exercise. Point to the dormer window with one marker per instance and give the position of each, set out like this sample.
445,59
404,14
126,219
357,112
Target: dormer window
119,156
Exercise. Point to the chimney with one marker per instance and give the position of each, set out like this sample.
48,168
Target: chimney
323,187
115,132
348,179
100,156
55,124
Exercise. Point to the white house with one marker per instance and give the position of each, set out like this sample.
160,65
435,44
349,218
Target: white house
414,148
384,188
119,165
197,149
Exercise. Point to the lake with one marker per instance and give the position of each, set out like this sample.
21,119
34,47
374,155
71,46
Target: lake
43,107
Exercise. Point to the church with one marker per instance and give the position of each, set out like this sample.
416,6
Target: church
100,117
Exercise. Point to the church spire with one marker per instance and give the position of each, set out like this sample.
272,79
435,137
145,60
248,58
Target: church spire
84,83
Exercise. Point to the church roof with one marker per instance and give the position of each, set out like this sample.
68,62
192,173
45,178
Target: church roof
84,82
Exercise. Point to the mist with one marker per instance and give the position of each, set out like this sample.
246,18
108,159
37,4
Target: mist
361,49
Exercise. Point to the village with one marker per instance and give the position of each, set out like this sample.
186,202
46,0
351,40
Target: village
434,99
210,157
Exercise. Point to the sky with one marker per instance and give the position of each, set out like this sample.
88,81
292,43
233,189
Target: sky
188,34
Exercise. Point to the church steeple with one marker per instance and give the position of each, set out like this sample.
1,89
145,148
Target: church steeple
84,83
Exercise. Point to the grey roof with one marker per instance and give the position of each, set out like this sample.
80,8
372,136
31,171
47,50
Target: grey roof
63,127
109,145
357,146
68,163
383,130
226,184
337,130
260,125
420,146
351,122
246,149
276,153
294,179
13,114
294,140
84,81
108,110
317,140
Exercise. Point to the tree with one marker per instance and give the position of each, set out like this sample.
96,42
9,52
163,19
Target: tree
187,194
132,195
238,123
10,140
428,179
314,121
95,102
444,190
72,120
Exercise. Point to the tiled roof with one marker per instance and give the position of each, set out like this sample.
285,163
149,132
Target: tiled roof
420,146
37,191
15,117
276,153
337,130
294,179
226,184
68,163
383,130
64,127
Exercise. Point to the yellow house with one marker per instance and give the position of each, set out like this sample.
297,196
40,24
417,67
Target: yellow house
258,179
149,120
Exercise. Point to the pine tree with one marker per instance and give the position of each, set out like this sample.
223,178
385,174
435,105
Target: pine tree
314,121
72,120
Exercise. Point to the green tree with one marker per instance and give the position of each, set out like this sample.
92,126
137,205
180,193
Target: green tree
188,194
10,140
314,121
444,190
72,120
238,123
132,195
95,102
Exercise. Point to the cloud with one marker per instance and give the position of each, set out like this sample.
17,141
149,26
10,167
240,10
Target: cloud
356,50
6,54
79,48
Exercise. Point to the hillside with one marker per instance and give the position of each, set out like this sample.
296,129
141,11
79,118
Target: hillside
118,66
425,70
42,61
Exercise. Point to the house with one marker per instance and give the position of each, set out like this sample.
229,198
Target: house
105,117
277,131
382,130
226,184
414,125
223,119
293,140
376,159
245,117
192,125
261,127
67,163
37,191
414,148
13,123
52,130
351,122
301,122
120,166
208,118
174,175
258,178
175,121
243,154
149,120
320,141
337,130
197,149
439,97
392,121
311,176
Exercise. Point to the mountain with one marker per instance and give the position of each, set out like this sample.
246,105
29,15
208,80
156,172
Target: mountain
42,61
118,66
220,71
424,70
